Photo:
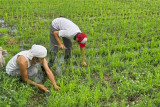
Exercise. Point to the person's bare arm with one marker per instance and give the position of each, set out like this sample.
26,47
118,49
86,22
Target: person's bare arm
83,56
22,63
58,39
49,74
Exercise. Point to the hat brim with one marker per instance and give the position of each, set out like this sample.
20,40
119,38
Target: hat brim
82,45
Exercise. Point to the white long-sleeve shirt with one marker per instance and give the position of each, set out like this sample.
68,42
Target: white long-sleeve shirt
65,27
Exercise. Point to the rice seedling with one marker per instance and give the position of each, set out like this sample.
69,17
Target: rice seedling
122,52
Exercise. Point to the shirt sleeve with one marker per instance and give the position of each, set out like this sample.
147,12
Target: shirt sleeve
69,33
66,33
63,33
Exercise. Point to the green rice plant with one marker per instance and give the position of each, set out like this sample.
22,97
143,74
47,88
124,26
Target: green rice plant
122,44
108,92
148,101
88,75
149,79
61,83
10,96
157,76
97,93
3,30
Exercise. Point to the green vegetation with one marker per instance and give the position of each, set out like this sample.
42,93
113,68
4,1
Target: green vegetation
122,52
2,30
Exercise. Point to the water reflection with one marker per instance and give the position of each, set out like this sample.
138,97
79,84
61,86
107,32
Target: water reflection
3,24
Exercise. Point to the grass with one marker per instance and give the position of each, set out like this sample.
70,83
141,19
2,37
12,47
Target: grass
122,52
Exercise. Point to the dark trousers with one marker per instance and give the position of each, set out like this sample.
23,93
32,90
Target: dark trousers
54,46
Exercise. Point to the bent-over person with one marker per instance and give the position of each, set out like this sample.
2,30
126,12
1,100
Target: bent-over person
25,65
63,27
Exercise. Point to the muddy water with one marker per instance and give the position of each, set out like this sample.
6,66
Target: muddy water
1,21
3,24
61,66
59,61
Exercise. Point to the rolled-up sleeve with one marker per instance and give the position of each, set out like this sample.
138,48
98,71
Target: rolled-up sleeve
63,33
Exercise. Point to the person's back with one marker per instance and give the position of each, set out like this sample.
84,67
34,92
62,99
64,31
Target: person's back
63,24
12,64
65,27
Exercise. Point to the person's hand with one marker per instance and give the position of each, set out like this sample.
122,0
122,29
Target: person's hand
43,88
84,64
61,46
56,87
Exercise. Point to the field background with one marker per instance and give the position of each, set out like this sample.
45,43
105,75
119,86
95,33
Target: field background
122,52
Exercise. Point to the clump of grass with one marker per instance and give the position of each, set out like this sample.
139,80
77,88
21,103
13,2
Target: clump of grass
3,30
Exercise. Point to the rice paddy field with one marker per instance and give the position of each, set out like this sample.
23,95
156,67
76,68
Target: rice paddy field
122,53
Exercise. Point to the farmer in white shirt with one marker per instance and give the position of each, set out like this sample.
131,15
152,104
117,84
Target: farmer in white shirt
62,27
25,65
